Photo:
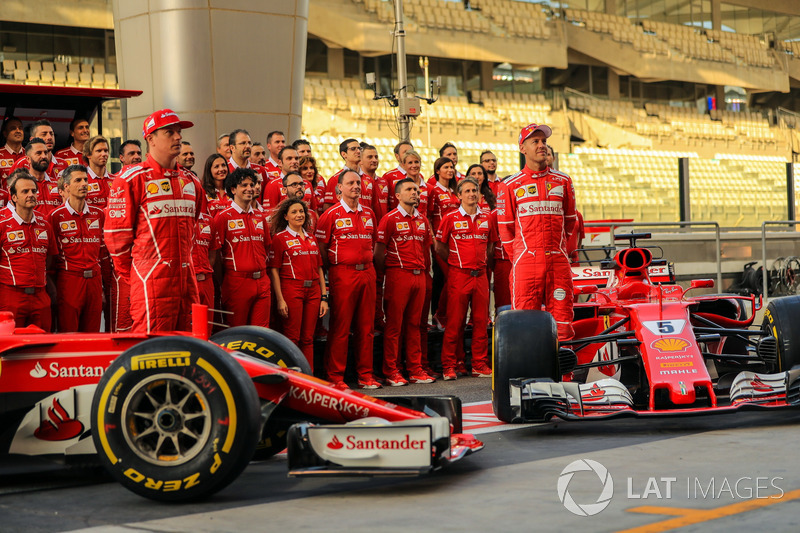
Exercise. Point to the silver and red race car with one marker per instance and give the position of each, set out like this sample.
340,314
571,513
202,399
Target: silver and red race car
178,417
643,347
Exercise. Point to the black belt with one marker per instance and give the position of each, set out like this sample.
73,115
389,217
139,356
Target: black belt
476,273
29,290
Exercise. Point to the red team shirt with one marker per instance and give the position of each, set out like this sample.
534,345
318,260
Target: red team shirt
274,194
272,168
333,181
24,247
470,237
70,156
79,237
48,197
295,258
204,241
349,234
217,203
407,238
243,238
99,188
441,201
7,160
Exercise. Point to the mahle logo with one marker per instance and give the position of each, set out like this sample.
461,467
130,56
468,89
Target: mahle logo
585,509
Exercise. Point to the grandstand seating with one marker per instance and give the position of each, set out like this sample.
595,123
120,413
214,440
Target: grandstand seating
56,73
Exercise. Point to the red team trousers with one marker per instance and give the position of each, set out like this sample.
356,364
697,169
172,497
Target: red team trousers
28,308
464,290
352,304
405,296
303,303
80,302
247,298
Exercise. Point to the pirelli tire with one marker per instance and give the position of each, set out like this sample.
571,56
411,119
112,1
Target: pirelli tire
525,345
267,345
780,320
175,419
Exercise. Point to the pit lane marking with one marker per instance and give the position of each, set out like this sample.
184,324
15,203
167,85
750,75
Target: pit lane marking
478,418
687,517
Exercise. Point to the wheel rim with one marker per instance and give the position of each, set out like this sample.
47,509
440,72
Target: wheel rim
166,421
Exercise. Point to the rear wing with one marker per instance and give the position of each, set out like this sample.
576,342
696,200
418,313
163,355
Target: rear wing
598,275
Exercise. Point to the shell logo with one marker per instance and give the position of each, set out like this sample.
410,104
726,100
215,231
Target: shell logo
64,225
232,224
520,192
152,188
670,344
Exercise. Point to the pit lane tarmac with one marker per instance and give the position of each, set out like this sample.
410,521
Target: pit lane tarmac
715,473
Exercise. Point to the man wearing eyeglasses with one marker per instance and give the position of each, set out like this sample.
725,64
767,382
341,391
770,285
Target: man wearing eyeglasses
489,163
275,190
350,150
241,146
243,237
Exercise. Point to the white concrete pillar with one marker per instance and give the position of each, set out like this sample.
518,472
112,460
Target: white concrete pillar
221,64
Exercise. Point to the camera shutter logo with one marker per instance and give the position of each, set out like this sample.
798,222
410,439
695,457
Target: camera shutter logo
585,509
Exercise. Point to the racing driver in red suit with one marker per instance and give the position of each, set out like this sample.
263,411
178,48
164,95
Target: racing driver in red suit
151,222
536,216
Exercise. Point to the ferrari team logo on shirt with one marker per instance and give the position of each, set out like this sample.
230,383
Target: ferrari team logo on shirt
260,225
188,188
41,234
555,190
93,224
366,221
344,223
420,225
402,226
461,224
483,224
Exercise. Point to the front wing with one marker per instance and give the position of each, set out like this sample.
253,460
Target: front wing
536,400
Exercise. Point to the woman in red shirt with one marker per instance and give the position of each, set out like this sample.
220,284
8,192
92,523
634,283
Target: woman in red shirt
295,268
308,171
487,199
442,199
214,173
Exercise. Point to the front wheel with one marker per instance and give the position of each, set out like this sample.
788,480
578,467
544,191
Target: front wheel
175,419
780,321
525,345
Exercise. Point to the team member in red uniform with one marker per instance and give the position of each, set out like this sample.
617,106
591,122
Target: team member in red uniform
204,244
442,200
150,237
346,235
243,238
4,199
186,158
38,156
575,239
74,153
309,172
402,248
486,196
275,191
391,177
368,166
449,151
466,238
26,242
350,152
42,129
500,271
241,147
78,232
276,142
215,170
536,216
130,153
489,163
96,153
13,134
295,187
303,147
296,272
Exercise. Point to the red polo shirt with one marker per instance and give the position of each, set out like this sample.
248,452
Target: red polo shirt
295,258
203,242
79,237
243,238
24,247
48,197
7,159
441,201
274,194
349,235
407,238
466,238
99,188
70,156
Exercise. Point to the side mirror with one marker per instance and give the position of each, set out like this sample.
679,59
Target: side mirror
701,283
586,289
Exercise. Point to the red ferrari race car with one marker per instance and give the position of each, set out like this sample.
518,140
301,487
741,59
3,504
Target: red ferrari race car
643,347
178,417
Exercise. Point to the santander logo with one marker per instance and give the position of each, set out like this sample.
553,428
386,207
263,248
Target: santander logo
38,371
335,443
58,425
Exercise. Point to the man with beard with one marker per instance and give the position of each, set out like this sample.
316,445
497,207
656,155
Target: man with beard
12,151
350,152
489,164
130,153
258,154
42,129
38,156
